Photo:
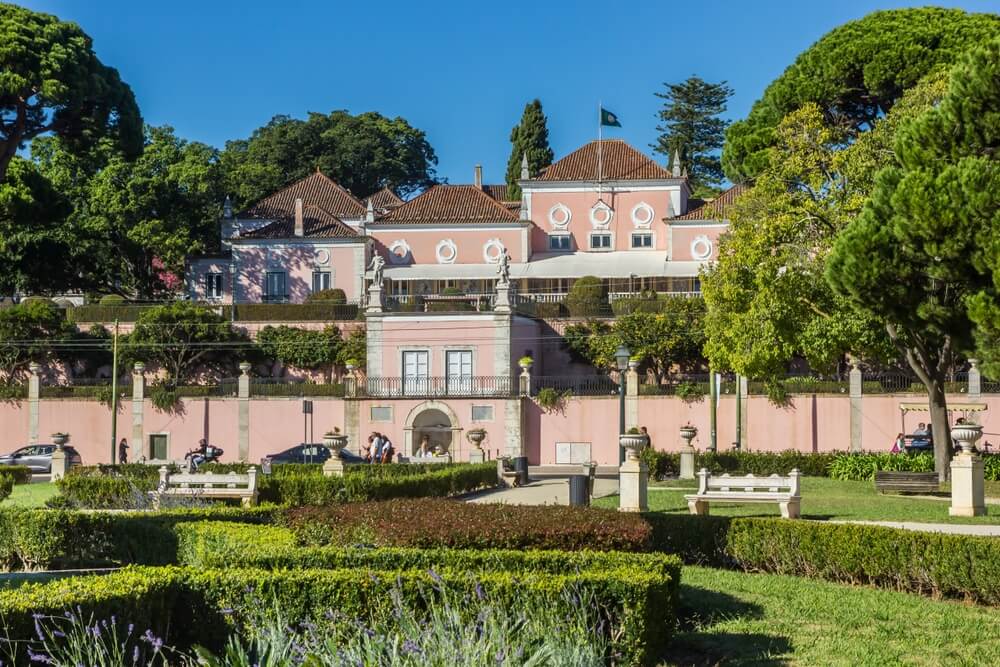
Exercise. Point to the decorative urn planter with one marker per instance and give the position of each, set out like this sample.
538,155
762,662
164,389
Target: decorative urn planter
688,433
633,444
476,437
525,363
335,442
60,439
966,436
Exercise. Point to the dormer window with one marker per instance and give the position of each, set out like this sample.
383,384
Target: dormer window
601,241
560,242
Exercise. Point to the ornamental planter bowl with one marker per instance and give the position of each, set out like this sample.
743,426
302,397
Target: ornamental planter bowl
633,444
966,435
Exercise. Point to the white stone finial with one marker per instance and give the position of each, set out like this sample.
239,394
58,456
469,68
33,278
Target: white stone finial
525,174
227,208
676,170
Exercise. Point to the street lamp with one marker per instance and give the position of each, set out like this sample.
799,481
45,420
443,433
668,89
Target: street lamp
622,356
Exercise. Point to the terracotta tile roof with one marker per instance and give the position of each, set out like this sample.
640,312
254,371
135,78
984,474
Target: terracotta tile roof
498,192
314,190
384,200
316,222
715,209
619,162
450,203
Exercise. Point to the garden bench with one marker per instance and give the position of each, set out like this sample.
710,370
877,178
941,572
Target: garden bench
906,482
749,489
207,485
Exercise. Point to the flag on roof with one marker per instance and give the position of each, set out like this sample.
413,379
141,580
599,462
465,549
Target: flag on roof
609,119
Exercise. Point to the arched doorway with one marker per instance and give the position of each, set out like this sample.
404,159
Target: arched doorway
437,422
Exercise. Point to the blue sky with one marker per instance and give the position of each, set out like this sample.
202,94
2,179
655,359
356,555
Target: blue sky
461,71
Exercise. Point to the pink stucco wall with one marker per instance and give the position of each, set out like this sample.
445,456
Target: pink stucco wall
196,271
277,424
298,260
681,238
437,334
470,243
580,205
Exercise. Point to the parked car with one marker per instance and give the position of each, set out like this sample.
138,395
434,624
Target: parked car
39,457
308,453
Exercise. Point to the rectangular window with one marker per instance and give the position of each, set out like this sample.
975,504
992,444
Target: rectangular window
482,413
572,452
642,240
158,446
381,413
600,241
275,287
559,242
321,281
213,285
458,368
416,366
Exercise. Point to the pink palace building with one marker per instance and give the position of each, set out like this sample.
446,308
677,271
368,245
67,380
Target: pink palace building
434,371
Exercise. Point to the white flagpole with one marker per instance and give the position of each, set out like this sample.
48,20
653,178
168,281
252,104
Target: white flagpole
600,147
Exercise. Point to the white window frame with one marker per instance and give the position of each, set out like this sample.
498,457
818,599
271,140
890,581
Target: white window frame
648,235
322,272
415,384
607,235
214,289
268,296
461,383
569,242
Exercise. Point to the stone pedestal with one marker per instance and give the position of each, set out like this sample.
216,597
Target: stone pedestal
60,464
477,456
632,493
333,467
374,299
502,303
687,462
968,497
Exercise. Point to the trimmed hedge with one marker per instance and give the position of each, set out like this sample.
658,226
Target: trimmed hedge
432,522
6,486
665,464
125,487
860,467
184,606
33,539
295,312
20,474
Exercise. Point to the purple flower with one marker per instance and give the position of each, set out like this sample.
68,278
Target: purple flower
435,576
153,640
40,657
135,655
479,591
410,646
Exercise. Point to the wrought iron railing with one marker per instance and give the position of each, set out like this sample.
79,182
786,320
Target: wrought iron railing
432,387
582,385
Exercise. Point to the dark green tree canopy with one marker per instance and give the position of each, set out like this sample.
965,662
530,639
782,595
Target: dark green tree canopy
51,82
529,137
855,73
363,153
924,249
691,127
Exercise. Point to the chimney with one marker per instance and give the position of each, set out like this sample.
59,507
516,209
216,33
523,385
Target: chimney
479,176
300,225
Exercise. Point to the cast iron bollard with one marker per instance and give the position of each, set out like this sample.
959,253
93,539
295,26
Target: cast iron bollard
579,490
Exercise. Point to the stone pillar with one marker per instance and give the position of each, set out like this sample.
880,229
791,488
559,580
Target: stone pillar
352,422
59,464
975,379
374,298
856,414
138,396
524,380
477,455
968,497
34,388
334,467
632,396
632,480
687,454
513,418
243,427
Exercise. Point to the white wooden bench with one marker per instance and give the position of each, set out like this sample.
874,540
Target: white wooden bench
207,485
749,489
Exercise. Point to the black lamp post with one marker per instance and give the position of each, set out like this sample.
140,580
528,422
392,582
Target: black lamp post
622,355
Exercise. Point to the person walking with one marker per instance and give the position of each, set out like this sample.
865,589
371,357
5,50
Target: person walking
123,452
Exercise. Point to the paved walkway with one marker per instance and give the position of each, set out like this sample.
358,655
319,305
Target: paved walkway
988,530
544,491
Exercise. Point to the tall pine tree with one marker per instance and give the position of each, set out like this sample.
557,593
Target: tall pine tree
530,136
690,125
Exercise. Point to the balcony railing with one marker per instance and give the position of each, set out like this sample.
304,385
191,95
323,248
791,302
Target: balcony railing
433,387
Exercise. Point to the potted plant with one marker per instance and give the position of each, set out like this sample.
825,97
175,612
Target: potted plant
335,442
633,441
525,363
475,437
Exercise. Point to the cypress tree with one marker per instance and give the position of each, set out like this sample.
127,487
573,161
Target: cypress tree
530,136
690,125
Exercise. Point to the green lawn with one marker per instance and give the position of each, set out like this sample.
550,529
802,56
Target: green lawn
734,618
30,495
824,498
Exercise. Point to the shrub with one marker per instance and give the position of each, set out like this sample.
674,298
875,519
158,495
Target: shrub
333,297
112,300
550,399
294,312
443,523
6,485
864,466
20,474
666,464
184,605
587,297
